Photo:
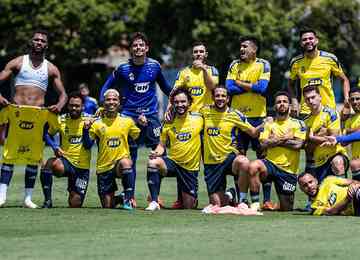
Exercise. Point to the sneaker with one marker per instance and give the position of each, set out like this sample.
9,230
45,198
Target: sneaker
160,201
255,206
47,204
177,205
268,205
231,194
153,206
128,205
30,205
2,202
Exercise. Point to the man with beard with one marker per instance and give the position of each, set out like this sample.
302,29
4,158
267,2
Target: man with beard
111,132
322,122
247,81
282,139
314,65
334,196
136,81
72,159
182,159
221,157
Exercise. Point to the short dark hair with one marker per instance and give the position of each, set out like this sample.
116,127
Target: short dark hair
301,175
41,31
181,90
306,30
221,87
310,87
198,43
354,90
76,94
139,35
252,39
83,85
282,93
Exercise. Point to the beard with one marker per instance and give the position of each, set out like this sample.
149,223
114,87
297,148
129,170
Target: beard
283,113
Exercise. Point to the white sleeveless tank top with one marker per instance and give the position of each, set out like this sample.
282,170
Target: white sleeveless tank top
35,77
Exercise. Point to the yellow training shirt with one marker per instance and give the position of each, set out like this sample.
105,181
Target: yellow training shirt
24,143
251,104
220,132
329,119
352,123
331,191
111,135
193,79
71,131
182,137
321,68
283,157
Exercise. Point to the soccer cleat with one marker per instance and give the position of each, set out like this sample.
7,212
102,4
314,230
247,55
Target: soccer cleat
231,194
255,206
128,205
29,204
268,205
153,206
177,205
160,201
2,202
119,199
47,204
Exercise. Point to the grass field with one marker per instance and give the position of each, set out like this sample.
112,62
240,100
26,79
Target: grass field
94,233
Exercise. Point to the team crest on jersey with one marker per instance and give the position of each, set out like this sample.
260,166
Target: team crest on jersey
332,198
197,91
142,87
26,125
23,149
113,142
17,113
213,131
302,69
183,137
131,76
75,139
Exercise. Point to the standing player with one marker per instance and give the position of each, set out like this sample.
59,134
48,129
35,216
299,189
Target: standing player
90,103
182,161
314,65
200,79
221,157
136,80
323,121
72,159
282,140
247,81
111,133
23,145
334,196
33,73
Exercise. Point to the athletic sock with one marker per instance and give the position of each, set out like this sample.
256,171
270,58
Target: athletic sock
46,179
5,178
356,175
243,197
153,179
254,196
267,191
237,189
30,178
126,179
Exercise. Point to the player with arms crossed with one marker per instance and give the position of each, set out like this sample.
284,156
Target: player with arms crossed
182,161
247,81
111,133
282,139
72,159
221,157
136,80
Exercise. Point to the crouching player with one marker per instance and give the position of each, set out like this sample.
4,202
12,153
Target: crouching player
183,156
220,154
334,196
111,132
71,159
282,139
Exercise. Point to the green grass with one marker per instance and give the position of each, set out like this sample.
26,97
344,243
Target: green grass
94,233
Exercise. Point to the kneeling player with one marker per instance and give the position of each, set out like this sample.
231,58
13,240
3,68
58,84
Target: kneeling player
111,133
282,139
183,156
72,159
220,154
334,196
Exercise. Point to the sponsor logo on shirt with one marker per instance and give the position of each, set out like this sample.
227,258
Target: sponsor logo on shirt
142,87
197,91
26,125
75,139
183,137
213,131
113,142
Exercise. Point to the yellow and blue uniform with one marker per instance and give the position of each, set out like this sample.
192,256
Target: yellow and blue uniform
329,119
193,79
220,128
282,163
332,191
353,123
24,143
320,68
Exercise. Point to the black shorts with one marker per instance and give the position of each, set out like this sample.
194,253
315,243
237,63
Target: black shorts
321,172
106,182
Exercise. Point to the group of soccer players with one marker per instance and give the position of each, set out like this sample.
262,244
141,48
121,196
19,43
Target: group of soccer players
204,122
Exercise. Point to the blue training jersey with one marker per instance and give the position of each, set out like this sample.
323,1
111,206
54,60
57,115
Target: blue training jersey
136,84
90,105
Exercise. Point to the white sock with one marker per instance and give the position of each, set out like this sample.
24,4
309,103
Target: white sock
28,193
3,190
243,196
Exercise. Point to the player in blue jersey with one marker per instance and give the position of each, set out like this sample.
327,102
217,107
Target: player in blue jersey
136,81
90,103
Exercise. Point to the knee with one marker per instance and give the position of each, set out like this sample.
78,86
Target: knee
241,163
253,168
338,165
125,163
355,164
56,166
75,201
154,163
